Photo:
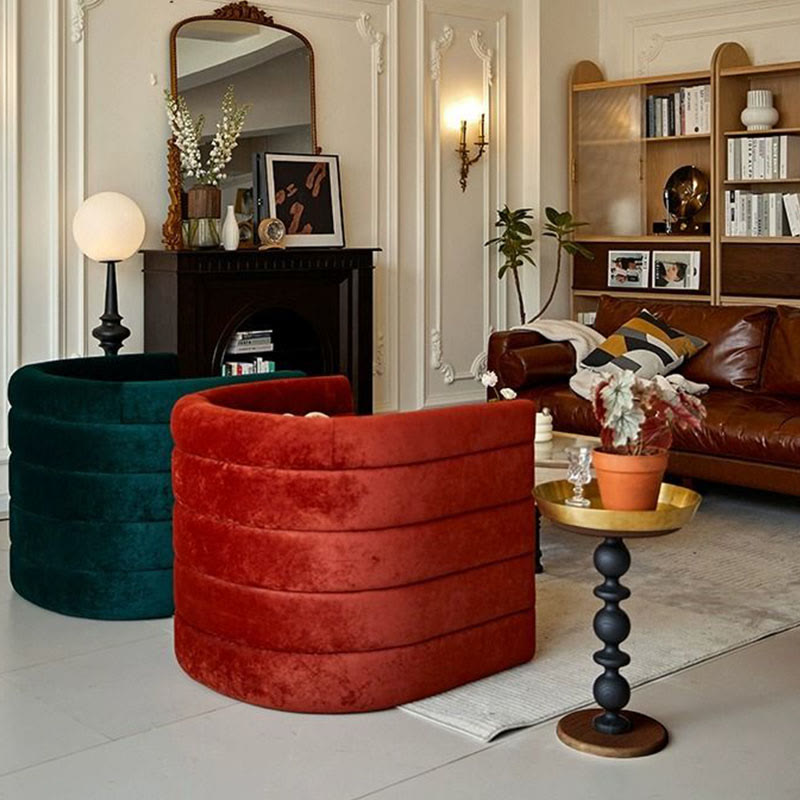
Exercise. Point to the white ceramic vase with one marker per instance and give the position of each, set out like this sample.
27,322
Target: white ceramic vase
760,114
230,231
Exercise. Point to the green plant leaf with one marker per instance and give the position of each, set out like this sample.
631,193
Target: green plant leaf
551,214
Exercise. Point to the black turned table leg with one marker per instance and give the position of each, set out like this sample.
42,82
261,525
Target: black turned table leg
612,626
538,531
607,731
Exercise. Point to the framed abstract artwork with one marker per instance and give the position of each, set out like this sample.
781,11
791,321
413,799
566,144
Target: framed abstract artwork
304,192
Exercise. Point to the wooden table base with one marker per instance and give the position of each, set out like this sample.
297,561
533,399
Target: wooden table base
646,736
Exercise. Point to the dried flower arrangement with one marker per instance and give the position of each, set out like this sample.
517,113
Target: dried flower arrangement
188,133
637,416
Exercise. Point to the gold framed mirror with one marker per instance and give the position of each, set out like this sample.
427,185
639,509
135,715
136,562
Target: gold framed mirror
271,70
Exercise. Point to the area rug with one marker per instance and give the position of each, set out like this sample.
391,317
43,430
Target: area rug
728,579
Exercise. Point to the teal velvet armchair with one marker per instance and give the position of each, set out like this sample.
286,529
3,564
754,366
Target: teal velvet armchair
89,475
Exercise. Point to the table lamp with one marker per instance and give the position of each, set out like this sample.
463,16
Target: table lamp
109,227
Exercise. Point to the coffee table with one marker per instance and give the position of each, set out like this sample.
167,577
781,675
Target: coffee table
607,731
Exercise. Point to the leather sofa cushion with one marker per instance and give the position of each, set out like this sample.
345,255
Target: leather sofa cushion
747,426
737,337
782,366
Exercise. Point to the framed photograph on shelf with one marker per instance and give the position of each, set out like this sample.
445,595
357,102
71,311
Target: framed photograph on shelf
628,269
304,192
676,269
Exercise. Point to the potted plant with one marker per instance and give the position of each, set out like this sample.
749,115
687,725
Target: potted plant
636,419
516,242
204,197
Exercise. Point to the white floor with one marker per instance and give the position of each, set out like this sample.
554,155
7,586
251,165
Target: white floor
101,710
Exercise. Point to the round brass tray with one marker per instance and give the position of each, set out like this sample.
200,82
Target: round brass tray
676,507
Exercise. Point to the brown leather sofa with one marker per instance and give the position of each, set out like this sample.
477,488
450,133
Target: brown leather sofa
751,436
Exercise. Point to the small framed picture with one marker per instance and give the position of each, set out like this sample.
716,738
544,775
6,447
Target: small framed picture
676,269
628,269
304,193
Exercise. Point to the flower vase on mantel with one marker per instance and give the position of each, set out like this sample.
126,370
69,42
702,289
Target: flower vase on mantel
230,230
203,212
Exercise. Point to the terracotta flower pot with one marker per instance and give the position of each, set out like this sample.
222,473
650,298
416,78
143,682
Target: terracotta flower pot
629,483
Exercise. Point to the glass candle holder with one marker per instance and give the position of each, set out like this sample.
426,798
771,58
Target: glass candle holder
579,473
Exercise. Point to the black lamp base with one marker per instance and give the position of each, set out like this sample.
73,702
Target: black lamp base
111,333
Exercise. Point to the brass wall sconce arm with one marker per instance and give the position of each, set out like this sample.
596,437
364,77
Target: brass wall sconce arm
464,152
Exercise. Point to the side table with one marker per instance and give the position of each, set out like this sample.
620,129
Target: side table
607,731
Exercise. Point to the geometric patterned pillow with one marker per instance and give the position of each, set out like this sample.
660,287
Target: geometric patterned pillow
646,345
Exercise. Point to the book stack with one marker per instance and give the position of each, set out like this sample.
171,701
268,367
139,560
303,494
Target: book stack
762,214
246,342
763,157
255,367
681,113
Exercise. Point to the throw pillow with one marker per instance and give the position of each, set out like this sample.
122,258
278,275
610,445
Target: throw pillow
645,345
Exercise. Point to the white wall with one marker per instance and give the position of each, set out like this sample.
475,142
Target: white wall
92,73
642,37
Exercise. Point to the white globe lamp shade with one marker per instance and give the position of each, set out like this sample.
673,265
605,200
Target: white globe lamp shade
108,226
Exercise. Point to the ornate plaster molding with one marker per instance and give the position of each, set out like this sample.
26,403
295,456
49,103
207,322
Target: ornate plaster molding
439,47
446,368
484,53
376,39
80,8
649,52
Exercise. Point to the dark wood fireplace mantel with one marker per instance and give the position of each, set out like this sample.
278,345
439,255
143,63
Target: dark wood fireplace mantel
317,302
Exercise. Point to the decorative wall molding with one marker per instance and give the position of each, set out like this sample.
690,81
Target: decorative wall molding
649,52
484,53
437,360
644,35
439,46
373,37
9,216
80,8
57,222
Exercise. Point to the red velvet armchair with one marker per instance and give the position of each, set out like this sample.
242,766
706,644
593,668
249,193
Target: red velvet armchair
349,563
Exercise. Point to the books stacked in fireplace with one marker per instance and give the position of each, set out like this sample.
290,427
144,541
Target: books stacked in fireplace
251,345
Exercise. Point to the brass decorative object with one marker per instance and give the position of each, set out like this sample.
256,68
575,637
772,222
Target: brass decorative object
464,152
272,234
172,230
243,12
686,193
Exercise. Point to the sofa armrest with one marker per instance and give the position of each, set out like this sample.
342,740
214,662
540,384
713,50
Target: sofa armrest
524,358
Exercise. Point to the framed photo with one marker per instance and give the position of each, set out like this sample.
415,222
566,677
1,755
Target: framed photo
676,269
628,269
303,192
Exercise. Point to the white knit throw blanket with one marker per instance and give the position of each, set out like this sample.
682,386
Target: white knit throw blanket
583,340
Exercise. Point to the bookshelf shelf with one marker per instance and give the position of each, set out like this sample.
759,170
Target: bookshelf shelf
747,181
680,137
747,70
770,132
655,238
652,80
760,239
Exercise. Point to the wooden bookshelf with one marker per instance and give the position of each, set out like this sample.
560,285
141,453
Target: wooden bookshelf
617,176
753,269
618,189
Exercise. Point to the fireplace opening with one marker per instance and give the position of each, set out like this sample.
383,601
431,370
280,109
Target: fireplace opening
272,339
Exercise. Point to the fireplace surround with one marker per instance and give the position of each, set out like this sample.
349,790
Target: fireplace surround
317,302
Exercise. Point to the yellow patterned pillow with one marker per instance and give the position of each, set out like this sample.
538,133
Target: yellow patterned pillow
645,345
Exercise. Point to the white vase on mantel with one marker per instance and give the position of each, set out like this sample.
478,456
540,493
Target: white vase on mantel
760,114
230,231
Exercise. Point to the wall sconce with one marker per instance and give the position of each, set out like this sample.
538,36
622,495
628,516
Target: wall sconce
464,113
